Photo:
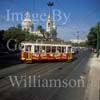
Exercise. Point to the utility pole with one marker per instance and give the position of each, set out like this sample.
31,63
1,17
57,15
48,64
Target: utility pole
97,43
77,38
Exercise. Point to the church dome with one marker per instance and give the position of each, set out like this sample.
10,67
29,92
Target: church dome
27,22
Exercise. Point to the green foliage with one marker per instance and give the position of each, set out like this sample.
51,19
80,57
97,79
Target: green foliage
43,31
1,37
14,33
39,27
31,37
19,35
92,36
83,44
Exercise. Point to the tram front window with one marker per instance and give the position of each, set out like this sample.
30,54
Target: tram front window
69,49
28,48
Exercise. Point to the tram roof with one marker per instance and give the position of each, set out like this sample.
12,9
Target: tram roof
46,43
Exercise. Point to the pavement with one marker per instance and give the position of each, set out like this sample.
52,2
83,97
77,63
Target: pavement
93,86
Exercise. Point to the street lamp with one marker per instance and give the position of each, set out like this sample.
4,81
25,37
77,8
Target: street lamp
50,4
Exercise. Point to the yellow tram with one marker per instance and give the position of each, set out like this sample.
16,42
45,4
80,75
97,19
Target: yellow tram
45,51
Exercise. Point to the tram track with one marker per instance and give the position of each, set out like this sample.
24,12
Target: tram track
6,81
56,91
68,67
47,95
51,93
42,69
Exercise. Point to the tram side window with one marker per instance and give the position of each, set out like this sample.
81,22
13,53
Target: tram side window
63,49
59,49
36,49
53,49
48,49
42,49
69,49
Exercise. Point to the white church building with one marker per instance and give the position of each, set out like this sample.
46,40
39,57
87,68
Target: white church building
28,25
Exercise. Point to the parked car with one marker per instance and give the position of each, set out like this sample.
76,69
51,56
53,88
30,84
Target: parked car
75,50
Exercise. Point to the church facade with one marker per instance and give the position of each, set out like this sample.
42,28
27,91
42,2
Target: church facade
28,25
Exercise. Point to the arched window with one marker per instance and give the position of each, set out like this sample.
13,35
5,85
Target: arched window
48,24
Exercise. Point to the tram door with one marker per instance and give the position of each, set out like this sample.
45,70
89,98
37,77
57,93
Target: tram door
69,53
28,49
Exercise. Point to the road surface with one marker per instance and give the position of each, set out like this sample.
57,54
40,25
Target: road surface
48,71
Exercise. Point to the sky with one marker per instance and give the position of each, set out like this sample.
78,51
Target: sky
72,17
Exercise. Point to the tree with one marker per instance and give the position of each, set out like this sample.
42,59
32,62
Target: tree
19,35
42,31
92,36
31,37
1,38
39,27
14,33
83,44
